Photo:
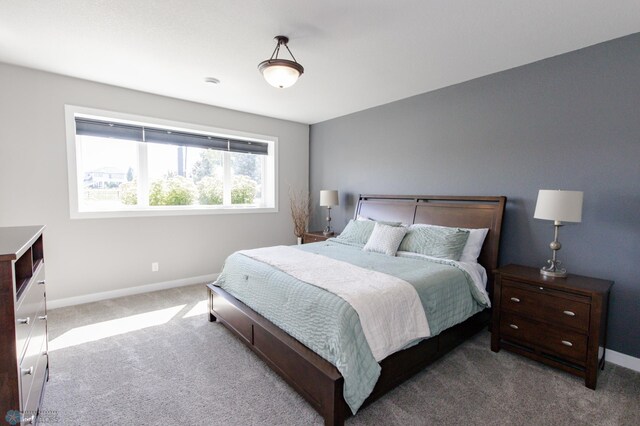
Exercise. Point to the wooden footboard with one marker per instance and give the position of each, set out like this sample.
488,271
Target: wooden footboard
314,378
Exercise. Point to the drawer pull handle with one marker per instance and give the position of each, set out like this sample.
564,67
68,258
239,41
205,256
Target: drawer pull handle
25,321
571,314
567,343
541,288
515,299
27,371
42,317
41,282
29,420
515,327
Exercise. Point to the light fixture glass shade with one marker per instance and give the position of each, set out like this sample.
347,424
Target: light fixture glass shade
559,206
280,73
329,198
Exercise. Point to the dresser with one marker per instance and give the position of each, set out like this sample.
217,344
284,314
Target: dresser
561,322
24,363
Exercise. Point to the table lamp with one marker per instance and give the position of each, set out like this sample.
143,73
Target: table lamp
328,199
559,206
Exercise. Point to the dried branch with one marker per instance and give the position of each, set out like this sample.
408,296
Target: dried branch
300,210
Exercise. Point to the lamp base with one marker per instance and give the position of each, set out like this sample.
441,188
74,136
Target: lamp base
554,269
327,231
557,273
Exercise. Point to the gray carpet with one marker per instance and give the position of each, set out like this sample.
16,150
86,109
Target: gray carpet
182,369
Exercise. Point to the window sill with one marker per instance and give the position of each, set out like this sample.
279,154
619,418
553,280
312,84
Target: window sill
170,211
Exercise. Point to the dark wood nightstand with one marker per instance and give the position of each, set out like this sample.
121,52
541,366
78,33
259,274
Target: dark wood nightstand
561,322
314,237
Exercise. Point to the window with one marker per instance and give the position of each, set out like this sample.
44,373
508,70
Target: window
122,165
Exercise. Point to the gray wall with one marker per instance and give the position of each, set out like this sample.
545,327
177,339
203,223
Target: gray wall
568,122
86,256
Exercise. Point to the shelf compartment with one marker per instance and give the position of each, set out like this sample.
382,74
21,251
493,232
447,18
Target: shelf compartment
23,271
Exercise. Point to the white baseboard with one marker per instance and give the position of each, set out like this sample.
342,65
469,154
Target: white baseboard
623,360
94,297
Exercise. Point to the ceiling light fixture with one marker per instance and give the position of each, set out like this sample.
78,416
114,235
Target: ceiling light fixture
281,73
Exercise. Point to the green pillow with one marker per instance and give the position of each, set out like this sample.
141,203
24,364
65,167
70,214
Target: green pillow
359,231
436,241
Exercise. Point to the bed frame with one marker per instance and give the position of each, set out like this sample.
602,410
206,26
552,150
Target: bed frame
317,380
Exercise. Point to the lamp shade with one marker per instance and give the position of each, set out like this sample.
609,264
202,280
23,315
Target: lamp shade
329,198
560,206
280,73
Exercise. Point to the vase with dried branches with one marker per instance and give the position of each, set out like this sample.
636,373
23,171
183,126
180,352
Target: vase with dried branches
300,211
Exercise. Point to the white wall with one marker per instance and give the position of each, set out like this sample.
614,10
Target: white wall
87,256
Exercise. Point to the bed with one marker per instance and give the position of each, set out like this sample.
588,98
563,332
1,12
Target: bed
317,379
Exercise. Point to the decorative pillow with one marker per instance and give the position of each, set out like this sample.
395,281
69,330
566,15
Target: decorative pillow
385,239
359,231
436,241
473,247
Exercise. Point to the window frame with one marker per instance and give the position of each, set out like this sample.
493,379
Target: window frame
136,211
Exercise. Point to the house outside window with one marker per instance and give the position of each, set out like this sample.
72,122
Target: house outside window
124,165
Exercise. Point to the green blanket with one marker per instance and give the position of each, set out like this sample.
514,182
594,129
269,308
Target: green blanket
328,325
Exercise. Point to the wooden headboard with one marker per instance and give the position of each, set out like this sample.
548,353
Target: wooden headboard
454,211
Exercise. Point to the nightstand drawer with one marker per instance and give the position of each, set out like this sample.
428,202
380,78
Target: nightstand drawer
557,341
313,238
546,305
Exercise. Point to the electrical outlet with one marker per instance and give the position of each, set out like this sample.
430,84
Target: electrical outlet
155,267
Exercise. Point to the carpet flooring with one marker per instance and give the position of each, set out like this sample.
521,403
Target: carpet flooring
154,359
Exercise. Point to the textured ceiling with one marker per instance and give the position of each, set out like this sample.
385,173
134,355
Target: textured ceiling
356,54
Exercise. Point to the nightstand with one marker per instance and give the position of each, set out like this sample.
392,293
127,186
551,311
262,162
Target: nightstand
561,322
314,237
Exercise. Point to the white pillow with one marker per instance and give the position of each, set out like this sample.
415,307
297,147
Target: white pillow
385,239
473,247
